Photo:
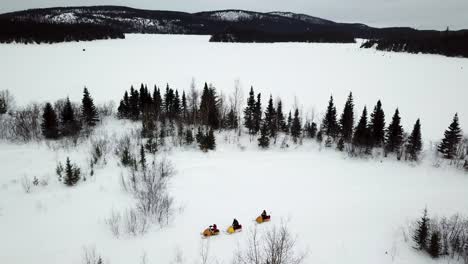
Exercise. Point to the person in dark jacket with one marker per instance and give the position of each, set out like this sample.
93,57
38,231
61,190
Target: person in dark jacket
264,215
235,224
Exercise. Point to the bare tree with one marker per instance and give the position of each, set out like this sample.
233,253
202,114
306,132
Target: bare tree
193,99
276,246
26,184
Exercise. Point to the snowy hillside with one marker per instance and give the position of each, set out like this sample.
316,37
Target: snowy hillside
341,208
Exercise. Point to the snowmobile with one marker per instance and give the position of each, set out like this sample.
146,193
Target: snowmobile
261,219
210,231
232,229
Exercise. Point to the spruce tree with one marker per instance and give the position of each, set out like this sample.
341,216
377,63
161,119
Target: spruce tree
270,119
319,136
421,233
152,144
232,121
176,105
249,111
49,124
296,126
209,112
452,136
394,138
157,102
69,126
415,142
88,110
280,120
142,158
134,110
72,174
310,129
377,125
184,108
340,146
289,125
347,119
329,124
210,140
434,245
258,113
199,136
362,135
3,106
264,140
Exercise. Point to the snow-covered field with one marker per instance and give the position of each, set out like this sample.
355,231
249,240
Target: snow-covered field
431,87
343,210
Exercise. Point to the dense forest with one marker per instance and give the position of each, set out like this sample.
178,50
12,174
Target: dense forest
44,32
249,35
448,43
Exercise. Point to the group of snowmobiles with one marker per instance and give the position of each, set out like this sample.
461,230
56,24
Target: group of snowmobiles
213,230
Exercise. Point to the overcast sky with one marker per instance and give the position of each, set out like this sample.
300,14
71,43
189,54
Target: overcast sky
423,14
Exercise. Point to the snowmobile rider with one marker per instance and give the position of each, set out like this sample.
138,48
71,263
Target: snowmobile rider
264,215
235,224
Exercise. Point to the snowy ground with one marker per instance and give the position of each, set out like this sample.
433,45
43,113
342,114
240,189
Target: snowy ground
431,87
343,210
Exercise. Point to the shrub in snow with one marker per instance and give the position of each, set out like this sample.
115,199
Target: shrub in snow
71,174
90,256
26,184
276,246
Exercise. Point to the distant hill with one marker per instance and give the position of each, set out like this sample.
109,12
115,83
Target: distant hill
99,22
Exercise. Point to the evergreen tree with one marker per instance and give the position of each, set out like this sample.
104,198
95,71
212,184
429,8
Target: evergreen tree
319,136
209,112
152,144
88,110
134,110
249,111
142,158
3,106
310,129
157,102
362,135
258,114
296,126
123,110
199,136
270,119
232,120
434,245
72,174
208,141
340,146
347,120
184,108
289,125
329,125
264,140
69,124
176,105
377,125
189,137
452,136
421,233
394,138
280,120
49,122
415,142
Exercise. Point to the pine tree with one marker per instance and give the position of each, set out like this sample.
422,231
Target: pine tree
49,122
210,140
88,110
72,174
347,119
264,140
394,138
142,158
296,126
280,120
377,125
232,121
258,113
209,112
249,111
362,134
157,102
199,136
340,146
134,110
434,245
123,110
415,142
421,233
329,125
289,125
68,123
270,119
184,107
176,105
452,137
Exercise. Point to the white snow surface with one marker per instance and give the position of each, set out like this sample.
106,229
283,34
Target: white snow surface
430,87
343,210
232,15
